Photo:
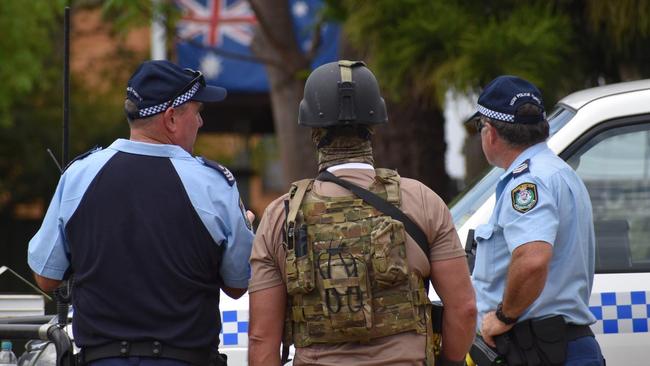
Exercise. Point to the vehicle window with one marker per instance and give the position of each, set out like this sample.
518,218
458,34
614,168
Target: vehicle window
615,166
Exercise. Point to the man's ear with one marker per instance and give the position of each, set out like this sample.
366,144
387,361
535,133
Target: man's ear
491,134
168,120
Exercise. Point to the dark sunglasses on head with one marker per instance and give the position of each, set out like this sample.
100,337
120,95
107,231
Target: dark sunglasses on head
197,77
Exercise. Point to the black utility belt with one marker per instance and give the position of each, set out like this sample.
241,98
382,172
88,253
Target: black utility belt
537,342
153,349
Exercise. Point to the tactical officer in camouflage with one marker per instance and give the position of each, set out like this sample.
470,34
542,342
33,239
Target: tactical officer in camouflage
341,278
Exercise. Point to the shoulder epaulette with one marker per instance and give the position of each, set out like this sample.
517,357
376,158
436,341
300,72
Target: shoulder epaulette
82,156
221,169
521,169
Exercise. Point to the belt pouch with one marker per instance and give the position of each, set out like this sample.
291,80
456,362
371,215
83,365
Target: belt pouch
550,336
525,340
507,348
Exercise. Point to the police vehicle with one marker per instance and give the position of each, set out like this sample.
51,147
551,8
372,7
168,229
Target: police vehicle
604,134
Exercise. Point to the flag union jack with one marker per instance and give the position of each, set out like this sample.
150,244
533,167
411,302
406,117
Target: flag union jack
212,20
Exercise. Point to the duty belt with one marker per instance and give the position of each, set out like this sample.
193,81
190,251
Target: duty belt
152,349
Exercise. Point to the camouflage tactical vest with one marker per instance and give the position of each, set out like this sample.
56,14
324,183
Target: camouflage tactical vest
347,275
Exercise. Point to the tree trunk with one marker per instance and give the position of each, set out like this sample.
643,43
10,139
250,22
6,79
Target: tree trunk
275,40
413,142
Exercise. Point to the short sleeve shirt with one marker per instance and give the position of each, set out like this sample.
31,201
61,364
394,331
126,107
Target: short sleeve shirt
539,198
422,205
216,202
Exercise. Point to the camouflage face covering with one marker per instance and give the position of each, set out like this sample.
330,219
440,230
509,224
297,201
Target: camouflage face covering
342,149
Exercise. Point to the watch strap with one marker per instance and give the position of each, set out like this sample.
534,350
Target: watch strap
502,317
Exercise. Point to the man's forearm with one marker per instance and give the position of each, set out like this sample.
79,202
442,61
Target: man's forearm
450,278
46,284
526,277
267,310
260,353
458,330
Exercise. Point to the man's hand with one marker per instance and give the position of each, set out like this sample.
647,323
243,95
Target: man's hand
250,215
491,327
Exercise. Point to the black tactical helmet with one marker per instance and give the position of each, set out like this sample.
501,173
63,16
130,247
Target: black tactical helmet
342,93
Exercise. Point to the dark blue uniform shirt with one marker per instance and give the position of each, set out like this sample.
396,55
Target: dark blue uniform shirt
150,233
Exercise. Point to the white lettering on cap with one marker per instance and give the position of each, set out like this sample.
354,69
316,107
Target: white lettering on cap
521,95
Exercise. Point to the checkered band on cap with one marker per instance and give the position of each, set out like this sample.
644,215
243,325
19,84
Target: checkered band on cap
150,111
495,115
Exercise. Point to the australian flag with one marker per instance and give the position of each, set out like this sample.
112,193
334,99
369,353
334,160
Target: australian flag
214,34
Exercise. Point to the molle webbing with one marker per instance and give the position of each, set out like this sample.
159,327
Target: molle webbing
352,282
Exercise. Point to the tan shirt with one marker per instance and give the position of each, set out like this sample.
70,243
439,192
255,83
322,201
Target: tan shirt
420,204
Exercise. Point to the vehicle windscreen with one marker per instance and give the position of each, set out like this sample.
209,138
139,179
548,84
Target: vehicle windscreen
470,200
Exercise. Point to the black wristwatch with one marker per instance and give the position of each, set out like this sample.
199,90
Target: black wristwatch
502,317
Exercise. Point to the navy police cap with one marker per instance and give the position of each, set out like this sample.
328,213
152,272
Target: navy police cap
502,97
159,84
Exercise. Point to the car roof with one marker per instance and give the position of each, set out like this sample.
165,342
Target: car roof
579,99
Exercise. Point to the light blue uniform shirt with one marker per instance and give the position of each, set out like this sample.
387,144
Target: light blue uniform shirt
539,198
216,202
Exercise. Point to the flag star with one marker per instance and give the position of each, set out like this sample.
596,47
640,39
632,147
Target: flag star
300,9
211,65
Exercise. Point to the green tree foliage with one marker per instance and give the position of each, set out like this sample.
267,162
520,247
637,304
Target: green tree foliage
430,46
31,99
26,46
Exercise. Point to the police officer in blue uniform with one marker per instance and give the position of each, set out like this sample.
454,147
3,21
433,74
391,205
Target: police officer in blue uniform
149,233
535,257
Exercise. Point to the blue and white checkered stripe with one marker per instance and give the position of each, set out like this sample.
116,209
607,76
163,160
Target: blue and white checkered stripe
234,328
494,114
620,312
150,111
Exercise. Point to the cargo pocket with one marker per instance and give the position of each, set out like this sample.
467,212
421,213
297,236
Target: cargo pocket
345,290
299,273
388,253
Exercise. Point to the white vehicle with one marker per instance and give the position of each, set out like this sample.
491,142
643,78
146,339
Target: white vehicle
604,134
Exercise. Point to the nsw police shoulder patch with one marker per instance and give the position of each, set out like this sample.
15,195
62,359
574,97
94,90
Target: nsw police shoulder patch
524,197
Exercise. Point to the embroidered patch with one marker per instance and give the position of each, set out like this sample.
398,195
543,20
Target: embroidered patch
524,197
521,169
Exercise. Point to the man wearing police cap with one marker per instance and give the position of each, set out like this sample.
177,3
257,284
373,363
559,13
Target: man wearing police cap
340,263
149,233
535,257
